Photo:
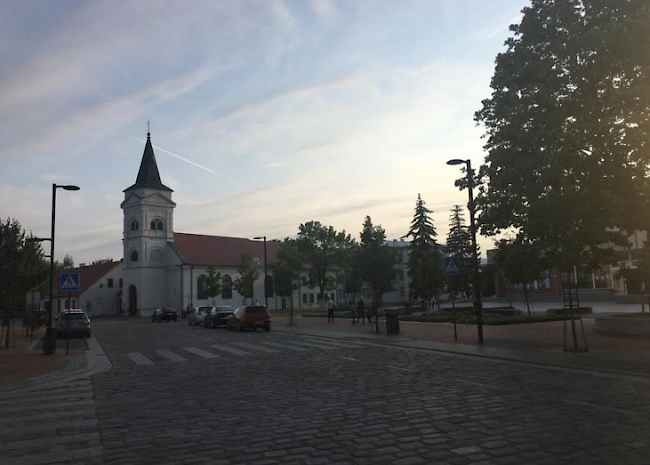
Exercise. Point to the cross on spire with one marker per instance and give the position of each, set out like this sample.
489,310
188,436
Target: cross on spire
148,129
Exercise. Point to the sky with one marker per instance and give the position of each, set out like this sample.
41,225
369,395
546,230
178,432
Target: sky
264,114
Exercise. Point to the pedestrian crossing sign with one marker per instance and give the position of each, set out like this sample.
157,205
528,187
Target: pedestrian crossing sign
452,266
69,282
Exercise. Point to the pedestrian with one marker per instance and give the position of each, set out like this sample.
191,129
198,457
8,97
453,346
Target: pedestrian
361,308
353,311
330,310
373,311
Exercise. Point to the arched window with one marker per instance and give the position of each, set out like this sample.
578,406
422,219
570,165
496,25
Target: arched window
134,225
157,224
133,256
226,287
202,287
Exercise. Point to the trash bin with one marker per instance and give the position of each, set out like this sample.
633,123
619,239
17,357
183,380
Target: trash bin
392,323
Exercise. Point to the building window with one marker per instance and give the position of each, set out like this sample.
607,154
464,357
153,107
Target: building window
226,287
133,256
311,298
304,298
120,283
202,287
303,281
134,226
157,224
110,282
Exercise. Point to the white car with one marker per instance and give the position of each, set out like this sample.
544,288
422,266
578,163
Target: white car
197,315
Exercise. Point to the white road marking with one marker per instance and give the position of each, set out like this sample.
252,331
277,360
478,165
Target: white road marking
139,359
201,353
231,350
352,345
349,358
256,347
168,354
315,346
284,346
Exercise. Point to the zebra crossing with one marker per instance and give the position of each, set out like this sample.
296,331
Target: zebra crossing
244,349
40,427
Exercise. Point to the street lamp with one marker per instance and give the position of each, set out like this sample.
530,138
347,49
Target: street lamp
478,305
266,274
49,341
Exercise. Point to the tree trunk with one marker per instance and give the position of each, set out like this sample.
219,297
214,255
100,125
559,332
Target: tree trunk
526,297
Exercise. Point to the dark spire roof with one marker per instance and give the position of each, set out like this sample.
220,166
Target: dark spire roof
148,176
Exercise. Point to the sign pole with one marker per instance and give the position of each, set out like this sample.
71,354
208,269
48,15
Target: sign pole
67,342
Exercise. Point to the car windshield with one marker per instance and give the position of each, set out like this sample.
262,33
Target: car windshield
225,309
169,310
73,316
204,309
256,310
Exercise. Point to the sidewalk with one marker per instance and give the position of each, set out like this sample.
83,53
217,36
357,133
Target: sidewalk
533,343
24,360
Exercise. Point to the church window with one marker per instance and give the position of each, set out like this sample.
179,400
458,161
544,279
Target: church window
134,255
226,287
157,224
110,282
202,287
134,225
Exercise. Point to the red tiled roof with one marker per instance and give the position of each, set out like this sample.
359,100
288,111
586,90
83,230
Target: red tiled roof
88,275
222,251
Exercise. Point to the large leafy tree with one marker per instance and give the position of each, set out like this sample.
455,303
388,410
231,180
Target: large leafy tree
459,244
322,247
249,272
423,243
214,283
521,262
567,128
375,262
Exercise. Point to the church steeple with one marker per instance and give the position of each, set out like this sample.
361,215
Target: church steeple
148,176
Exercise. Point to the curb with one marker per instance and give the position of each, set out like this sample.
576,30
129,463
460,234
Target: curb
602,372
96,362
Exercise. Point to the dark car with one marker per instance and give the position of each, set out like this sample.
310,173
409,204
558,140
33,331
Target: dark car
164,314
218,316
72,322
250,317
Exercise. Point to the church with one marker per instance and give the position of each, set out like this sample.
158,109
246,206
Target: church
161,267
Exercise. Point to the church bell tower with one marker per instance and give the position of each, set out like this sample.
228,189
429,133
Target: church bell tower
148,227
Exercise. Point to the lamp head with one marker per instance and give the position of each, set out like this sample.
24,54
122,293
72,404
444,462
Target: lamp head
456,161
70,188
259,238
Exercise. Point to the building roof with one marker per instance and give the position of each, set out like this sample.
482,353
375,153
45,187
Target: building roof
148,176
88,275
222,251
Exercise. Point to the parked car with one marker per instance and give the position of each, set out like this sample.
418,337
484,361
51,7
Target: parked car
197,315
164,314
218,316
250,317
72,322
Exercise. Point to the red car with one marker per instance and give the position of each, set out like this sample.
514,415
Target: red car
250,317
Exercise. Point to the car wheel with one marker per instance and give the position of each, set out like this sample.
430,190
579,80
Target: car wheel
189,322
88,334
267,328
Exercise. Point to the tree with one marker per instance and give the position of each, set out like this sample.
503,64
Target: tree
213,283
68,262
459,244
567,128
286,271
322,247
249,272
521,262
375,262
421,268
100,261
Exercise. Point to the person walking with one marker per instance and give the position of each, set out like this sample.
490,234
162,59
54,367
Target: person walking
361,308
353,311
330,310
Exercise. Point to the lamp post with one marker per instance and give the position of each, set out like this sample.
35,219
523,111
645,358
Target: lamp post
49,341
266,274
478,305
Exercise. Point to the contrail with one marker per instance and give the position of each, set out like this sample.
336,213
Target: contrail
191,162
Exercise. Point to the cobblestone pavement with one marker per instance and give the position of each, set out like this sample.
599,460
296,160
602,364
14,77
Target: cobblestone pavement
191,395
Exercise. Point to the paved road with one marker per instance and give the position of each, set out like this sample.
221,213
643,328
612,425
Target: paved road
180,394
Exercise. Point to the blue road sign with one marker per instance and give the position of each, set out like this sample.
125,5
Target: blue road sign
69,282
452,266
